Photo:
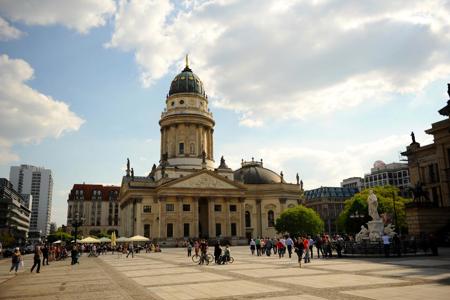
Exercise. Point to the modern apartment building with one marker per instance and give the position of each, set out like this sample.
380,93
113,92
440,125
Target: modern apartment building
37,182
353,182
14,212
395,174
97,206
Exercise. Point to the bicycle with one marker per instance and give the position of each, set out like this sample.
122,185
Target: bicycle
230,260
196,258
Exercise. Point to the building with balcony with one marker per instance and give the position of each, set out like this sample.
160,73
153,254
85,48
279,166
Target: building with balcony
328,202
353,182
15,213
96,205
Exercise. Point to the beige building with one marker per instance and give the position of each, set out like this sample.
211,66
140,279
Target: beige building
429,168
96,206
187,195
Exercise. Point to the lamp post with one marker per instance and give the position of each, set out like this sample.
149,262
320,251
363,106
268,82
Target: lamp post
357,215
77,222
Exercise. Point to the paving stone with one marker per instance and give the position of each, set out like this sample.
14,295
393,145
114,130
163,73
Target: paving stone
417,292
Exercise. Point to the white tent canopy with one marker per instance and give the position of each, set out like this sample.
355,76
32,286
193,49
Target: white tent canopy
57,242
138,238
122,239
104,240
89,240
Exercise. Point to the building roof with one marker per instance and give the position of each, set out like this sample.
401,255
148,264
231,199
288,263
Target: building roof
254,173
330,192
88,190
187,82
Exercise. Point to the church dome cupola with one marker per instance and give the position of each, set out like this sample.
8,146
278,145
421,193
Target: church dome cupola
187,82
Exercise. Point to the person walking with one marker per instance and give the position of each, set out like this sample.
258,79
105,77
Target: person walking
74,255
306,249
45,255
289,244
298,248
252,246
318,244
258,246
37,260
189,249
217,252
131,250
15,260
311,245
386,245
279,245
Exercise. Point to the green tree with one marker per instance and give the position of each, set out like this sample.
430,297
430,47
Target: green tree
59,235
358,204
299,220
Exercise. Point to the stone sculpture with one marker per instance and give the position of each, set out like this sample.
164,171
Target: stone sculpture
372,201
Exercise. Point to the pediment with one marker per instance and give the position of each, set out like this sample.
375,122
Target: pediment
204,180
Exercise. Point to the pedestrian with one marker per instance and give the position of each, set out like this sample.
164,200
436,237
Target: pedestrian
311,245
279,246
45,255
306,249
131,250
298,248
37,259
318,244
258,246
196,248
189,249
289,244
386,244
15,260
74,255
217,252
252,246
268,247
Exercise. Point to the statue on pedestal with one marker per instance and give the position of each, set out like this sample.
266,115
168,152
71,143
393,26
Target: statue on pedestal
128,167
372,201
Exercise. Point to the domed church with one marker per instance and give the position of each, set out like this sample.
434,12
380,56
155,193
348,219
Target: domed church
188,194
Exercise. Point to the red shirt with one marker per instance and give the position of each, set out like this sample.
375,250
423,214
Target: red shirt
306,243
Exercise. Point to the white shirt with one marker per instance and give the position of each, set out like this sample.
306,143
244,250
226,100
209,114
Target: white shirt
386,239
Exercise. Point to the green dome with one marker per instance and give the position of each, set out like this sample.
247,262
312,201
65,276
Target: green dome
187,82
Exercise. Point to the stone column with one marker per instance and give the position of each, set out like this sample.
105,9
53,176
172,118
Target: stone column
241,232
162,218
211,218
258,218
138,224
227,230
282,204
179,217
195,219
212,143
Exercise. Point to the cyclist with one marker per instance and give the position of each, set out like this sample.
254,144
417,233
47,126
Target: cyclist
203,250
226,255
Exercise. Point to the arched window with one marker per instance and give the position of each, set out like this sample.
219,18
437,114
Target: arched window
270,218
248,220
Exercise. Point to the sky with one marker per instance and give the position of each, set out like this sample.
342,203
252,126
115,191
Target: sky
322,88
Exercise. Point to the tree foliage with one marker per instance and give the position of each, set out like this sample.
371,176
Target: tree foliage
59,235
299,220
358,203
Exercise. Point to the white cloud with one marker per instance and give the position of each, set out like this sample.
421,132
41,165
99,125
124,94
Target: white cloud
322,166
7,32
291,59
26,115
81,15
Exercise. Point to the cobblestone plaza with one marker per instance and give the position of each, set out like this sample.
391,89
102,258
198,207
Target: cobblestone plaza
171,275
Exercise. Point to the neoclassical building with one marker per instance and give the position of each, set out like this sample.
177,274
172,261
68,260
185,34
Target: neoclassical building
188,195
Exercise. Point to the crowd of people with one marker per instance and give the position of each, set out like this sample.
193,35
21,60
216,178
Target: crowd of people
302,246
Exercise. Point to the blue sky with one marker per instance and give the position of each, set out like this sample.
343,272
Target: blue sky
323,88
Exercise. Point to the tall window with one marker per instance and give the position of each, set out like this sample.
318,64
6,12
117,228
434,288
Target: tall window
217,207
169,230
186,230
248,221
170,207
218,229
233,207
147,230
186,207
270,219
147,209
181,148
233,229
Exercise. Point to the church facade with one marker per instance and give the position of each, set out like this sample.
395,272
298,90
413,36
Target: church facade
187,195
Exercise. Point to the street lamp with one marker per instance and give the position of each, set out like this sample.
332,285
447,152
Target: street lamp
77,222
